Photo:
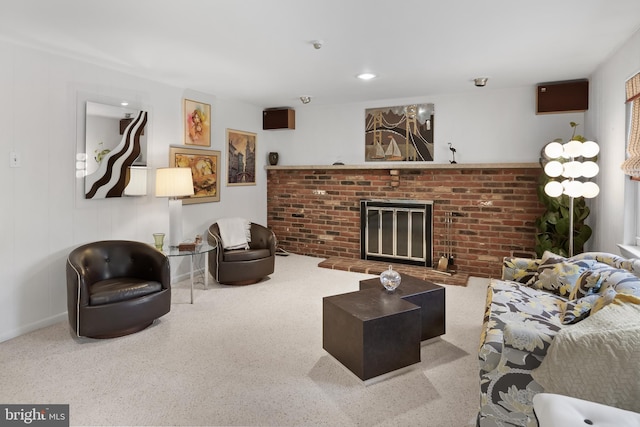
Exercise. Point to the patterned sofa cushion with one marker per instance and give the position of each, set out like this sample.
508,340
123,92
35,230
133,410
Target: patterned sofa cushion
522,270
558,274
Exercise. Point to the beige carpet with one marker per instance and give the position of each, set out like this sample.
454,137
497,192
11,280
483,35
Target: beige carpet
247,356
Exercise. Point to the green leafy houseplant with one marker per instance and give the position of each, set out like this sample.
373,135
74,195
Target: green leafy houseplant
553,226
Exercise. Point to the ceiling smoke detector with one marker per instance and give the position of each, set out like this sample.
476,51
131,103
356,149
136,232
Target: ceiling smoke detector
480,81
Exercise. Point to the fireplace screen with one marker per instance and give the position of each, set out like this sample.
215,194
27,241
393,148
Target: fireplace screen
396,230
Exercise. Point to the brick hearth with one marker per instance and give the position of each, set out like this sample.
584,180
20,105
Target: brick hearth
315,210
377,267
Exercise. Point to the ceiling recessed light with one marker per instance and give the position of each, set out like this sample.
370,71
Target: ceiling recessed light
124,103
366,76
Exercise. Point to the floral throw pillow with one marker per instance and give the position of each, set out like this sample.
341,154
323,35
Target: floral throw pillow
559,275
590,281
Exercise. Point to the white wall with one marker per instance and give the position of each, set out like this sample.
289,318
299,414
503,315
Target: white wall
44,215
606,119
484,125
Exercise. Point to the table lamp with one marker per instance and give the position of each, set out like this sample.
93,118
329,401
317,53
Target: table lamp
174,183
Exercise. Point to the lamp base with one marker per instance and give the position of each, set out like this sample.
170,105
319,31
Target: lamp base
175,222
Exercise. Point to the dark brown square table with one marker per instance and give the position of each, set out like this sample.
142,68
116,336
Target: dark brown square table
371,333
428,296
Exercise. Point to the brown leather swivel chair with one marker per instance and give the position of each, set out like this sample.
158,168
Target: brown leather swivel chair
116,287
243,266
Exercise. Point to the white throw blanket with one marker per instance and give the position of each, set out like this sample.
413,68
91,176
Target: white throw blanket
235,233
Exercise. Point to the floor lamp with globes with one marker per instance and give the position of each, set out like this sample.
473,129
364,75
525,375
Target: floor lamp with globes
574,163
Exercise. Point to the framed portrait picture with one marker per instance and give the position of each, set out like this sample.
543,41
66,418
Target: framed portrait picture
241,158
197,123
205,168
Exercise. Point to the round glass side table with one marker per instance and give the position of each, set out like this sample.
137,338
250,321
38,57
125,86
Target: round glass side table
202,248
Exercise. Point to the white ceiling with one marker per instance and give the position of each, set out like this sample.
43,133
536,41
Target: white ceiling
261,52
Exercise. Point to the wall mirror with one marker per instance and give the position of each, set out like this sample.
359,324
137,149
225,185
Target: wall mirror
116,151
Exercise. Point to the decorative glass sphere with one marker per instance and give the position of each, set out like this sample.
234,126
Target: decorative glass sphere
573,148
590,149
553,150
590,190
573,189
390,279
590,169
553,169
572,169
553,188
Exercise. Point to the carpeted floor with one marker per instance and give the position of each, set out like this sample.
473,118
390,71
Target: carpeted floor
248,356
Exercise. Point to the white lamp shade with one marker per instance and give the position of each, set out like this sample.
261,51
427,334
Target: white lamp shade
553,188
174,182
573,148
553,150
590,149
590,190
553,169
137,185
590,169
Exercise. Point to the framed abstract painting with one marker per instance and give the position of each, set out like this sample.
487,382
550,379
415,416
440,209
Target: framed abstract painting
205,168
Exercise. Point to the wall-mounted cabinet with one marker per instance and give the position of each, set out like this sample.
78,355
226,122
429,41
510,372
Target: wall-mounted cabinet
562,97
278,118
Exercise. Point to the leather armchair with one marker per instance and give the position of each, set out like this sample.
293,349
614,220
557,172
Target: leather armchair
116,287
243,266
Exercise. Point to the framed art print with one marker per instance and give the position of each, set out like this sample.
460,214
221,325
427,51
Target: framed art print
241,158
197,123
205,168
399,133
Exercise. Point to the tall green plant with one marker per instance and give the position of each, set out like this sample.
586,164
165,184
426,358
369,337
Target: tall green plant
553,226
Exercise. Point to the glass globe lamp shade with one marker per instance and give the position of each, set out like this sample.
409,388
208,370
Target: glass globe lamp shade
573,148
553,169
590,190
573,189
572,169
590,169
553,150
553,189
590,149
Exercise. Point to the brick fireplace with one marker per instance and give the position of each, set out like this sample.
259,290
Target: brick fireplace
315,210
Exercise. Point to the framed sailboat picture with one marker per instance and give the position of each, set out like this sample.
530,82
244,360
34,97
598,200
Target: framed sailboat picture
400,133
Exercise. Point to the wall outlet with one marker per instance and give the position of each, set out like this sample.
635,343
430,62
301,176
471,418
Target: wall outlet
14,159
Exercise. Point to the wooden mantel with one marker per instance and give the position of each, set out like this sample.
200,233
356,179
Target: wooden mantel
409,165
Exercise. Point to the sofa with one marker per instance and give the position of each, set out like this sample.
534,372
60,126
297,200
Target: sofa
569,326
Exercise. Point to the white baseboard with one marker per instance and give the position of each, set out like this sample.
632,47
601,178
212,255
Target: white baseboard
62,317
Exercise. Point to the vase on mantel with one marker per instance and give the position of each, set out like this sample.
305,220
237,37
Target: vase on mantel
273,158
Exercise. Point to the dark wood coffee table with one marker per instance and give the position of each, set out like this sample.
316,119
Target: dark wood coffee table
373,332
426,295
